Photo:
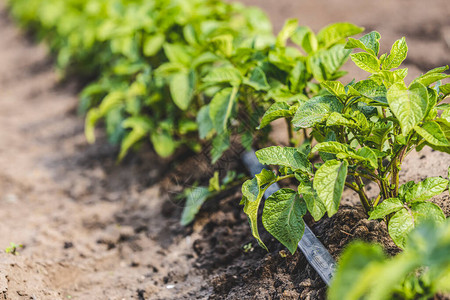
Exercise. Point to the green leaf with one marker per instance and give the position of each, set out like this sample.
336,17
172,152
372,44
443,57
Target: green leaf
251,210
286,32
298,77
223,43
366,61
222,107
152,44
357,265
426,189
336,33
329,182
405,220
408,105
373,91
182,89
315,206
325,64
305,38
369,43
227,74
445,89
432,133
331,147
335,87
336,119
258,80
214,182
205,124
163,143
315,111
283,217
284,156
385,208
432,76
140,127
370,156
220,144
194,201
250,189
276,111
397,55
177,54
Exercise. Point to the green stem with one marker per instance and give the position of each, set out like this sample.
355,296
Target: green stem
362,194
290,131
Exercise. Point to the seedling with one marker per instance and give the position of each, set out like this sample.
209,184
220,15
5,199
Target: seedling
12,249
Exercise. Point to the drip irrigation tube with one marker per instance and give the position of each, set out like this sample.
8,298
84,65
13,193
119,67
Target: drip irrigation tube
316,254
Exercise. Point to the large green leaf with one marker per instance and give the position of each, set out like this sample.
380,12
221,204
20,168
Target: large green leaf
331,147
182,89
405,220
432,133
251,209
369,43
373,91
315,111
284,156
336,32
329,182
385,208
426,189
276,111
366,61
432,76
409,105
397,55
283,217
222,107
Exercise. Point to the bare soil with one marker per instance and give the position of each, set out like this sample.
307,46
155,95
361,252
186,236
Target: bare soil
94,229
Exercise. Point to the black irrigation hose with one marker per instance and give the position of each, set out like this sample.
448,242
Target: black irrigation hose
316,254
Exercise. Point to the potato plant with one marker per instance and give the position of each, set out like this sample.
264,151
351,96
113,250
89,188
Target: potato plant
176,71
364,130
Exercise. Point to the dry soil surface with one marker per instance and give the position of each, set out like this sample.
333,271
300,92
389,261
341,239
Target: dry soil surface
92,229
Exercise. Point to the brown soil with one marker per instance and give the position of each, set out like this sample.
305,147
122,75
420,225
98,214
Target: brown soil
93,229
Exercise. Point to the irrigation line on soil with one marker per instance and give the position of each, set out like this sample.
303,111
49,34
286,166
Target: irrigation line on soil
316,254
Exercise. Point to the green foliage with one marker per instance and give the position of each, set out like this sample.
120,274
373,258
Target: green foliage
364,130
210,64
197,195
423,269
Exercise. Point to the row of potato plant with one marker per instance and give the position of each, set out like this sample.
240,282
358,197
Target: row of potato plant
181,72
175,71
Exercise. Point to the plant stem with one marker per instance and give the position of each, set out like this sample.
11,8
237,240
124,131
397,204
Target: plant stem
362,194
290,131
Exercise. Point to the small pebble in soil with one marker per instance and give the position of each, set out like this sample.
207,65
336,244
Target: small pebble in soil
68,245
